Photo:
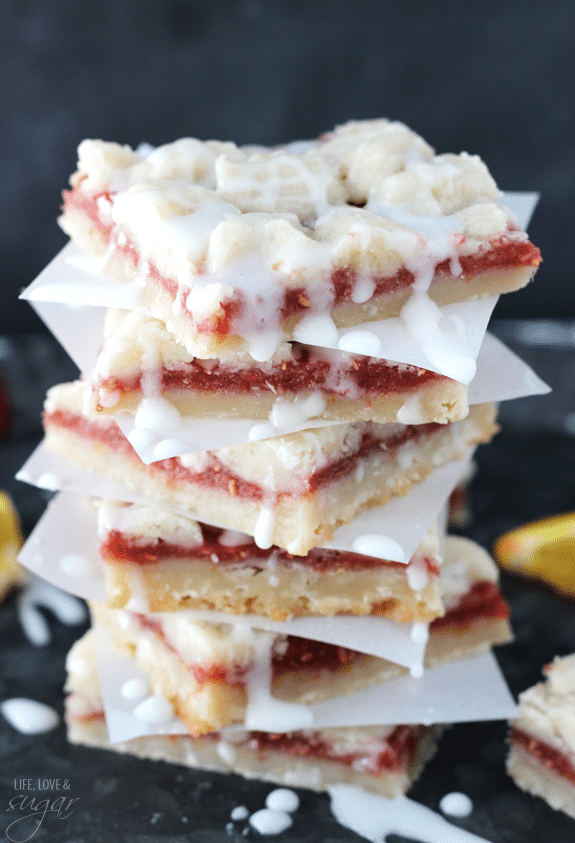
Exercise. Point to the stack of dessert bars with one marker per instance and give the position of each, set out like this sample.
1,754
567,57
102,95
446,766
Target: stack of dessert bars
278,409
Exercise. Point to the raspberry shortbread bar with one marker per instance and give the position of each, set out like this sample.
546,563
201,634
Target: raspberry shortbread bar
291,491
542,740
211,672
140,358
170,561
237,247
382,759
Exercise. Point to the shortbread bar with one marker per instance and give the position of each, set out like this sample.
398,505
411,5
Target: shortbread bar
542,740
239,247
210,672
169,561
382,759
291,491
140,359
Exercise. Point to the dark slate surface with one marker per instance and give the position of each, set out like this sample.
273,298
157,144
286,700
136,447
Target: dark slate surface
526,473
493,79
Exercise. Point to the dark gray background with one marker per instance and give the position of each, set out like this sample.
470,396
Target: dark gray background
487,77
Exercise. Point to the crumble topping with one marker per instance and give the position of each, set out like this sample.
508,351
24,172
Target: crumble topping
547,710
220,202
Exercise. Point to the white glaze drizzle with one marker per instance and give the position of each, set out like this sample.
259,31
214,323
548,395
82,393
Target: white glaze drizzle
360,342
264,712
270,822
226,751
316,327
417,575
420,632
29,716
261,431
417,670
233,538
67,608
375,817
410,412
136,689
456,804
155,710
286,414
138,601
264,529
263,346
282,799
439,337
76,565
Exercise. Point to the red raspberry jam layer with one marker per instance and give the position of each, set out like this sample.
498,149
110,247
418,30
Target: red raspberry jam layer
216,475
304,654
307,370
94,714
297,654
483,600
392,756
548,756
119,547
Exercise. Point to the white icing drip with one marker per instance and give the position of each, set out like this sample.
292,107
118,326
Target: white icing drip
137,604
226,752
155,710
456,804
28,716
417,575
420,632
109,399
264,530
167,448
157,414
363,290
261,431
360,342
140,438
439,337
375,817
285,414
431,227
78,566
240,812
138,601
405,455
192,231
123,619
264,712
416,671
278,181
380,547
270,822
316,327
67,608
282,799
136,689
410,412
233,538
263,346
